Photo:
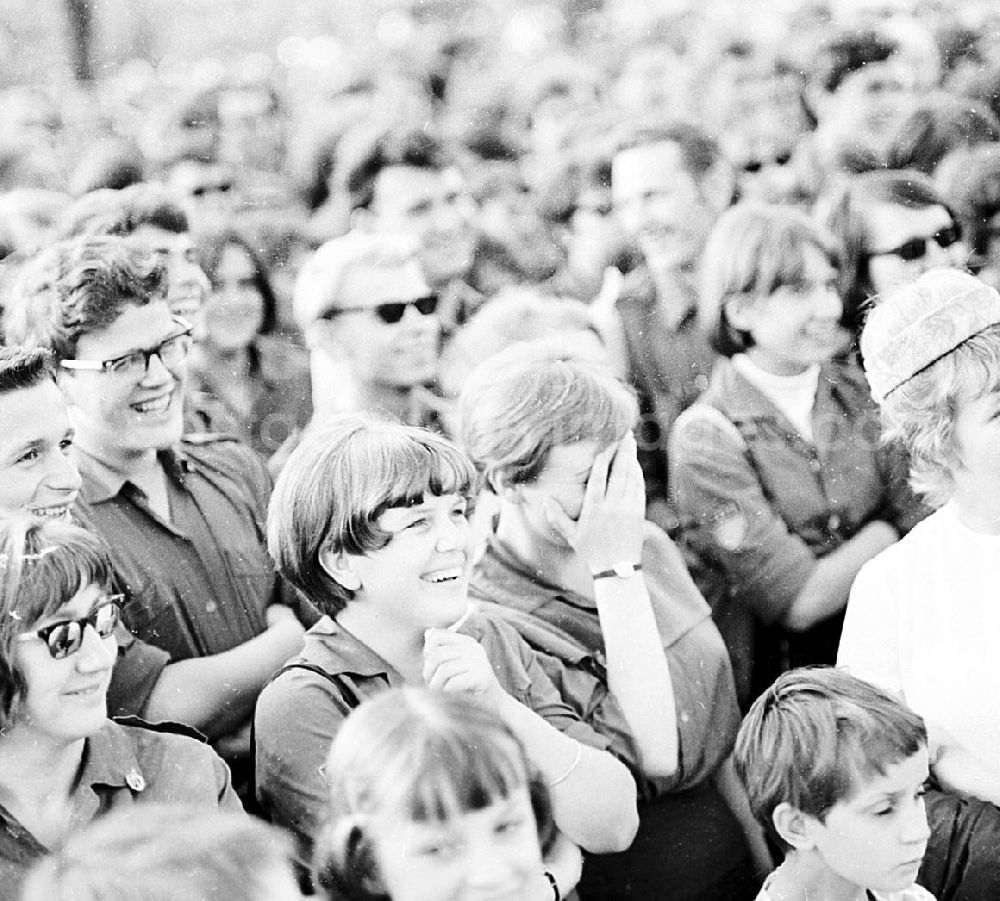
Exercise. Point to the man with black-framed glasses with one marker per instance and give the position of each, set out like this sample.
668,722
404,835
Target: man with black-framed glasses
184,516
373,328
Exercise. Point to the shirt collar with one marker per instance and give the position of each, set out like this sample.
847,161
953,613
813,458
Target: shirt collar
102,483
110,759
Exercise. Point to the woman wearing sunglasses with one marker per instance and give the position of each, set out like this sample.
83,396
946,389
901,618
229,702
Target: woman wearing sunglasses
891,226
62,761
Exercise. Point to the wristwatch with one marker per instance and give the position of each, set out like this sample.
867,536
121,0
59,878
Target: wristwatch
620,570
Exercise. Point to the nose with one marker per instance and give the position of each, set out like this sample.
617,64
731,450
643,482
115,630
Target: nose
62,474
451,535
157,372
915,827
95,653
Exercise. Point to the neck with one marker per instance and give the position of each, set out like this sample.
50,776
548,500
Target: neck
398,402
131,464
399,645
34,770
555,563
805,877
977,509
775,367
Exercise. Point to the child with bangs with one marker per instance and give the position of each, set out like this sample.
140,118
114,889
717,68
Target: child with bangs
835,770
369,520
432,797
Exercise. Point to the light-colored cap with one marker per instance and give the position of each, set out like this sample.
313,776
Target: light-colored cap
918,324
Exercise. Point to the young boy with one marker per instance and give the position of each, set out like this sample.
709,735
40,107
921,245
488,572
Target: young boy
835,769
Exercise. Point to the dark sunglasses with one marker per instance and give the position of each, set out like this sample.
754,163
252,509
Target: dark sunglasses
755,165
916,248
392,311
66,637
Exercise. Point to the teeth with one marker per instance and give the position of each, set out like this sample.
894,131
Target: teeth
153,406
443,575
51,512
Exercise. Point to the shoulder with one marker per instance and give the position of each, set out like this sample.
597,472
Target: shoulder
227,456
701,424
170,756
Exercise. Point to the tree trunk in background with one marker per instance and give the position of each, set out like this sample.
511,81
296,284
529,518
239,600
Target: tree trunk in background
81,32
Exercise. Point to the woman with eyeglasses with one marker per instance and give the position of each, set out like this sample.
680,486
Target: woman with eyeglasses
782,485
62,761
890,226
245,379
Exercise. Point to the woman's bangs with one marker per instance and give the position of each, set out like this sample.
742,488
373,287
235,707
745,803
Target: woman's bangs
456,778
51,577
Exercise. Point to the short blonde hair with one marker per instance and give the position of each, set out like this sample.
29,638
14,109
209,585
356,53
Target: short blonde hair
532,398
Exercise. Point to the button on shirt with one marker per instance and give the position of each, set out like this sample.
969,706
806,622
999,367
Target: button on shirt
199,583
123,766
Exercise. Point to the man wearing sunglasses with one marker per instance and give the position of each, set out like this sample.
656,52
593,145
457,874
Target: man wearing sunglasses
372,326
184,518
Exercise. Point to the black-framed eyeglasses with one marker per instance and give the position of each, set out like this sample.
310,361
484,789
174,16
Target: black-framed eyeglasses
916,248
392,311
66,636
171,350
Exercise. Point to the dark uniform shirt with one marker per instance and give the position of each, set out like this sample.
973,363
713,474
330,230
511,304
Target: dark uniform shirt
123,766
200,583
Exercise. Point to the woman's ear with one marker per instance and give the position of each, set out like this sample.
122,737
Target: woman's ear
741,312
337,565
349,866
794,826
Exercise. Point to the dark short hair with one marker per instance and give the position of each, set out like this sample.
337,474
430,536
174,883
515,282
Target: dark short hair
365,154
339,481
73,288
846,52
45,562
123,212
22,367
699,150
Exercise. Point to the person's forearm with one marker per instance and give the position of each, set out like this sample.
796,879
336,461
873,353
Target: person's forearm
565,862
593,794
958,770
638,674
826,590
216,694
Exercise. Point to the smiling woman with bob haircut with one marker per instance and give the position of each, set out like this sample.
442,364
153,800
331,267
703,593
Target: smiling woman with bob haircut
368,520
62,761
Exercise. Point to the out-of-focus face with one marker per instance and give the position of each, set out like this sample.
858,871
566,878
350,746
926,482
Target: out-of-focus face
67,698
660,204
234,310
433,206
796,326
36,473
490,854
977,441
393,354
896,232
120,416
876,838
187,284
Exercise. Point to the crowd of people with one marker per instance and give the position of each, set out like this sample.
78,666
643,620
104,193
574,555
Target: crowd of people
509,465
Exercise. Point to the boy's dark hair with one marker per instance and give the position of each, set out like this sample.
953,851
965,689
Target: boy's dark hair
812,734
73,288
21,367
111,212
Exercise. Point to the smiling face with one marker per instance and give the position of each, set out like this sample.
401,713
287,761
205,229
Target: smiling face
187,284
876,838
419,578
234,311
796,326
490,854
659,202
36,472
392,354
66,698
433,206
118,416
